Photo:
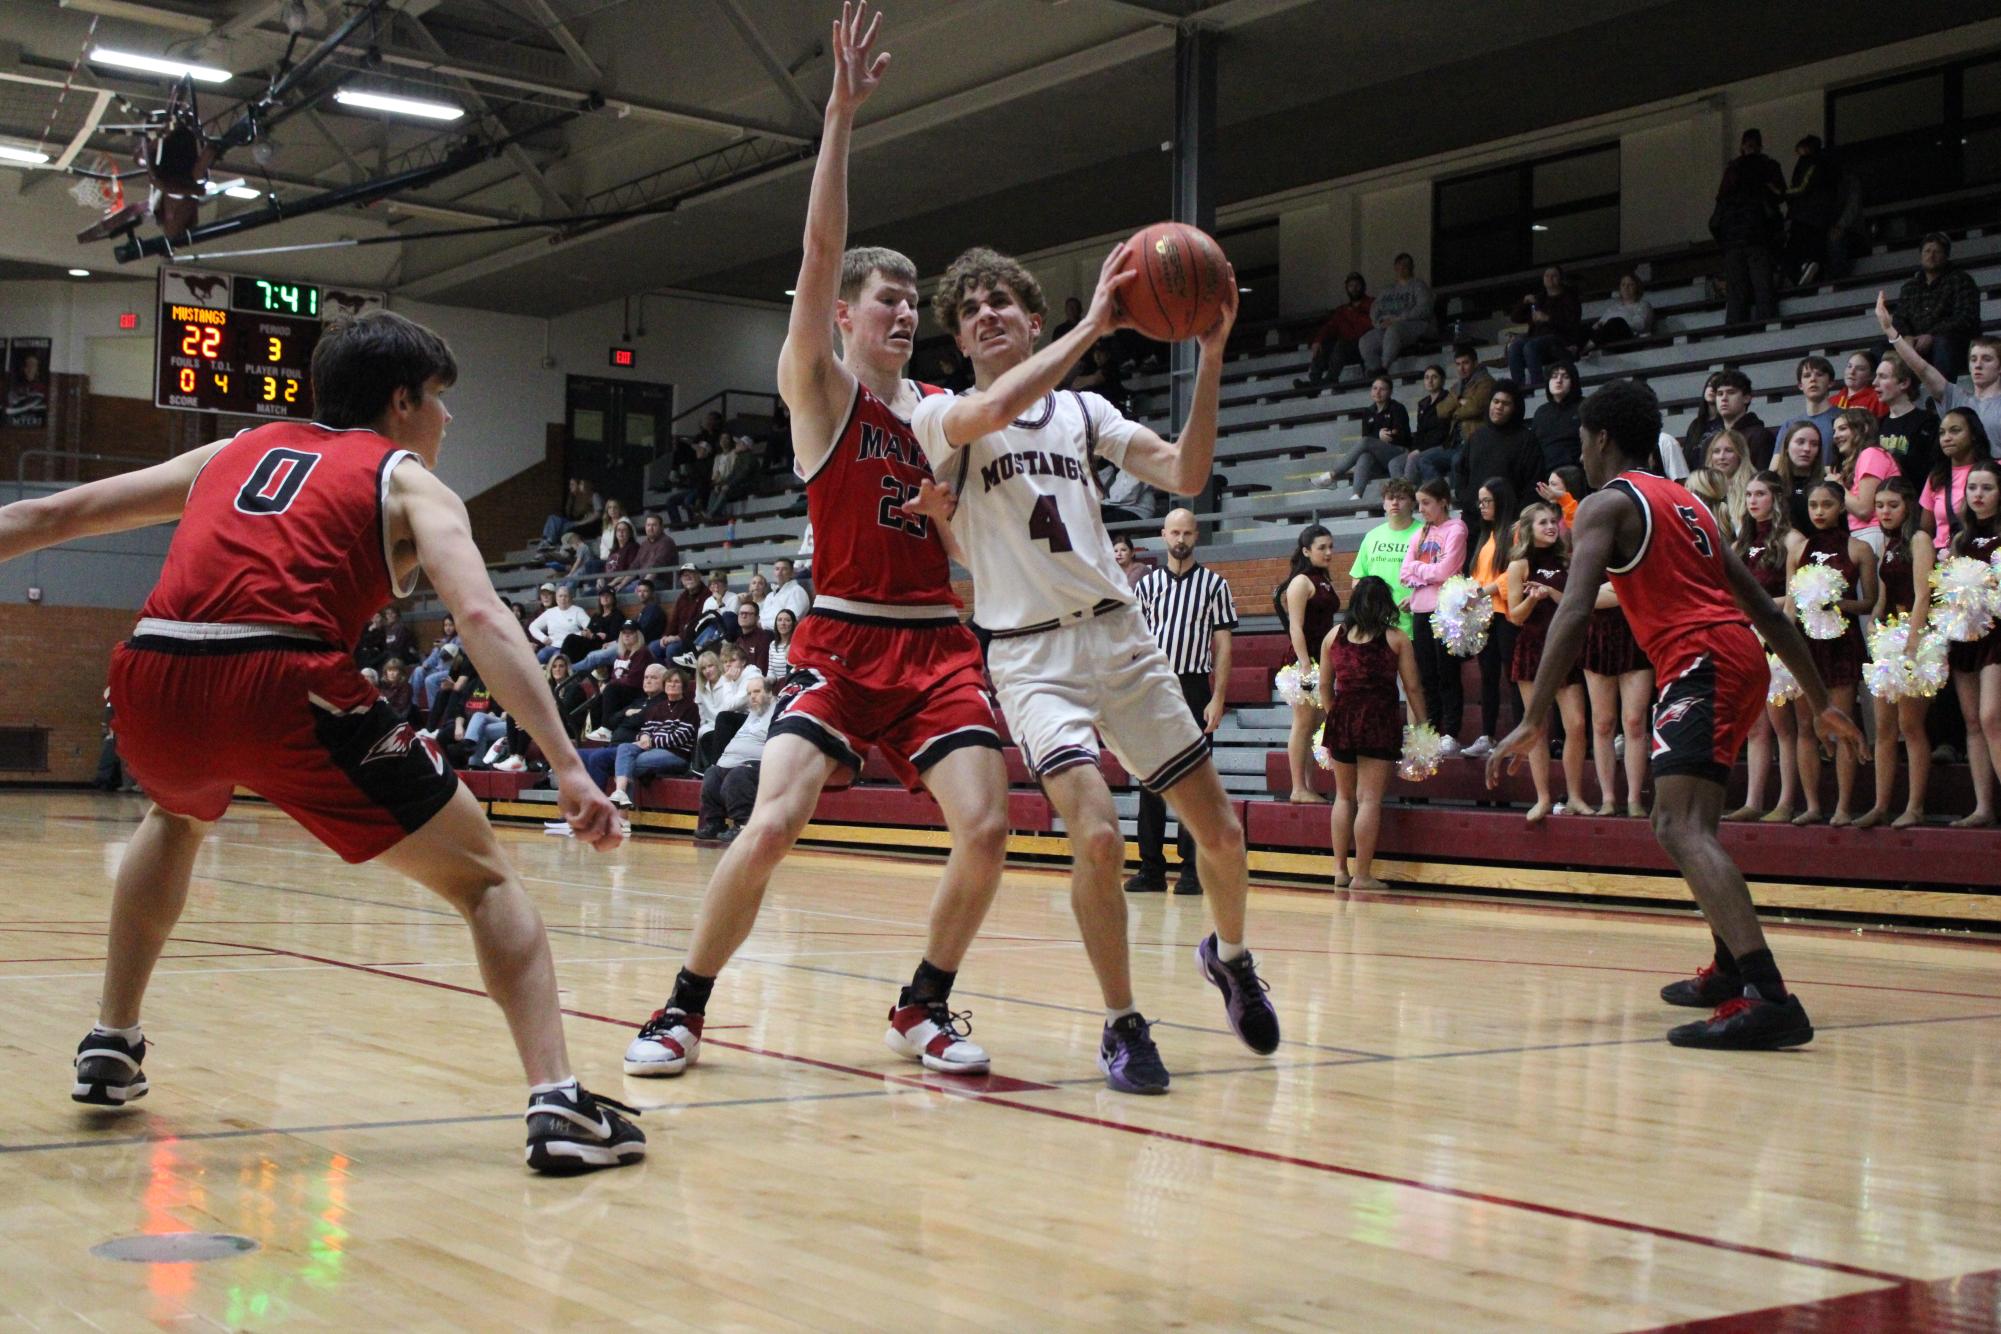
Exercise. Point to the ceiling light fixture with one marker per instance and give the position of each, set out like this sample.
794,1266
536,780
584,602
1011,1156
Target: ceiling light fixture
9,153
235,189
173,69
79,273
398,106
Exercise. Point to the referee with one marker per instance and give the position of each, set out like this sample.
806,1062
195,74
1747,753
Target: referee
1191,614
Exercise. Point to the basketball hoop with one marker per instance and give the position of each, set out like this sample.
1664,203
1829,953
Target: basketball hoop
105,197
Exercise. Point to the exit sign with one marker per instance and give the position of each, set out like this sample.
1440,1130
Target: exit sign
129,320
624,357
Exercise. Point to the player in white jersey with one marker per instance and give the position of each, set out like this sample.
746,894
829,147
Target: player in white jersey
1070,656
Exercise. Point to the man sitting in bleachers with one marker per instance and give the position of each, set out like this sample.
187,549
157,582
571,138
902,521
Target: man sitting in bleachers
1469,411
729,786
656,547
557,625
1402,316
1337,344
750,636
651,733
786,595
1815,377
1938,310
1733,413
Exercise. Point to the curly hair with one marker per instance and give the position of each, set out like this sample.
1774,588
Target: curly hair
981,267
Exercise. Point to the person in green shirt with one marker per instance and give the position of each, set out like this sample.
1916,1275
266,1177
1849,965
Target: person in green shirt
1382,551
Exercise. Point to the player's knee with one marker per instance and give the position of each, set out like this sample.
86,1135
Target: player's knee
984,832
1098,843
1674,828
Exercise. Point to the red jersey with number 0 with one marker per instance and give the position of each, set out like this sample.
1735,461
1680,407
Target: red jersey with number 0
1674,590
284,527
866,546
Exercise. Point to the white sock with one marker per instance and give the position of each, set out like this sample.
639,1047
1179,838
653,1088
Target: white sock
1113,1016
131,1034
560,1086
1229,951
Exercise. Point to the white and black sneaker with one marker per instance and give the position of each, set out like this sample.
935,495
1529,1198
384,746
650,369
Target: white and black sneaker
573,1130
107,1070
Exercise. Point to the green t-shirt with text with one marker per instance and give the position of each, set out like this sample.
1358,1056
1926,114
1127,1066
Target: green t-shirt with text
1381,554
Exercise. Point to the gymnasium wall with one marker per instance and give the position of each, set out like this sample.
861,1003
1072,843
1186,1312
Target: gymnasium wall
65,652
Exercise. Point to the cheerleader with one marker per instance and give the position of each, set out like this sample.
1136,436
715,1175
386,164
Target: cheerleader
1976,667
1360,666
1539,566
1308,602
1620,682
1495,537
1764,544
1838,660
1906,567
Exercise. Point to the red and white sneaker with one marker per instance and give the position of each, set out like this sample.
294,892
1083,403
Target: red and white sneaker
931,1033
667,1044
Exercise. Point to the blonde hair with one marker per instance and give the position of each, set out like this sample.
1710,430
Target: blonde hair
1735,484
862,260
1713,488
981,267
1524,542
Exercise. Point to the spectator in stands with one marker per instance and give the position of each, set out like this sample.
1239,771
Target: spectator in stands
614,510
1538,570
1470,394
1437,553
1712,488
575,562
628,667
1976,666
1556,421
481,729
732,477
720,600
1938,310
786,595
1307,603
1726,456
1766,543
1858,381
729,786
627,722
1630,316
1337,344
624,554
605,619
1907,432
1962,442
1491,538
1983,365
1862,467
1385,440
576,697
1555,320
1799,467
1073,312
1403,314
666,741
677,641
1565,487
652,617
449,700
1099,372
1382,551
1839,660
553,630
1360,666
751,637
777,659
1813,205
436,666
1745,222
1127,498
395,688
1733,413
720,696
1700,426
1504,447
581,508
1815,377
656,548
1134,566
368,650
1904,576
1431,437
398,640
522,617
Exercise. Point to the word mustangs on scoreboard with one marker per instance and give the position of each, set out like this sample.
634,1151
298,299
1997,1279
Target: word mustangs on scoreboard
242,345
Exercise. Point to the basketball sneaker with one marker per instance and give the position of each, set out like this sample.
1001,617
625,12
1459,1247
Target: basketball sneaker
930,1033
107,1070
573,1130
1748,1023
1709,988
667,1044
1244,1000
1130,1061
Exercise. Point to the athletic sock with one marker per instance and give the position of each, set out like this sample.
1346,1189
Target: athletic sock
929,983
1229,951
132,1034
691,992
560,1086
1726,962
1760,971
1113,1016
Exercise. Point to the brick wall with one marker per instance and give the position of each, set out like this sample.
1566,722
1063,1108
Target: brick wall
60,658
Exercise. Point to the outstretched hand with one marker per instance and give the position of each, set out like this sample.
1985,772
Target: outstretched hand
1510,751
1213,340
855,74
1883,313
591,816
1838,729
1106,313
936,501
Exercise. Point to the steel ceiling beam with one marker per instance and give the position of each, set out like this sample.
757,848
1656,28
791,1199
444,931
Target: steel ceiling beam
553,200
802,105
553,24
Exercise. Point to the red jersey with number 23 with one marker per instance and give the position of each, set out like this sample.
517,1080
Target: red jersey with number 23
284,527
1674,590
867,547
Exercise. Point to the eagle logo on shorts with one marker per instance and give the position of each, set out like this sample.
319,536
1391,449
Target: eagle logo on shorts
400,742
1670,714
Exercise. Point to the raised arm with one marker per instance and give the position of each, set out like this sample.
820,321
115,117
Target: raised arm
810,376
115,505
1183,467
425,513
1935,383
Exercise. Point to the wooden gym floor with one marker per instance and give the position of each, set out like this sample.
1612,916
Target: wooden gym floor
1473,1124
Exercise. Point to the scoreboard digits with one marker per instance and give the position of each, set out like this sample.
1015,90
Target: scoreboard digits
242,345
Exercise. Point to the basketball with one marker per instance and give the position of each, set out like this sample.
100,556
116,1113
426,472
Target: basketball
1178,292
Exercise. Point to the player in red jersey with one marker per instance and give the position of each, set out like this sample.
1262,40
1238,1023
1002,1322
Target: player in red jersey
882,659
241,672
1692,605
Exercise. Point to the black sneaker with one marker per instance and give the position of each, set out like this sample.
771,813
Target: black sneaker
708,833
107,1070
1188,884
576,1131
1709,988
1129,1059
1245,1003
1748,1023
1145,884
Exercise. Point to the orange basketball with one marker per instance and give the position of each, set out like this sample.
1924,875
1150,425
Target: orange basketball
1178,292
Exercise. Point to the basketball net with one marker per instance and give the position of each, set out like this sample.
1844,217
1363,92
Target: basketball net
105,197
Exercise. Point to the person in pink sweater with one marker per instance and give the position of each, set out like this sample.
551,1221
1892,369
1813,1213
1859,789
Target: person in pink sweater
1437,554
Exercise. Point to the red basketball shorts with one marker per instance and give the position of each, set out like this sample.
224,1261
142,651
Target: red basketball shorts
916,692
1708,702
296,724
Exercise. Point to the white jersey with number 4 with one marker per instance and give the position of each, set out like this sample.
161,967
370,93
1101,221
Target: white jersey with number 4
1028,516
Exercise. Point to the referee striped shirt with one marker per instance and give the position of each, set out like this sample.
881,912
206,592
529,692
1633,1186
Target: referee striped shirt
1184,611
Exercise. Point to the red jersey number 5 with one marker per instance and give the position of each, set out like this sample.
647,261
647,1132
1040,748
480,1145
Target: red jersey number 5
1696,532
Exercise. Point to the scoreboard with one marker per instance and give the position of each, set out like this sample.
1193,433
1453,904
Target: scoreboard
241,345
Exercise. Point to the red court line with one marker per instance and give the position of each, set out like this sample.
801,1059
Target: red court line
1966,1303
972,1091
